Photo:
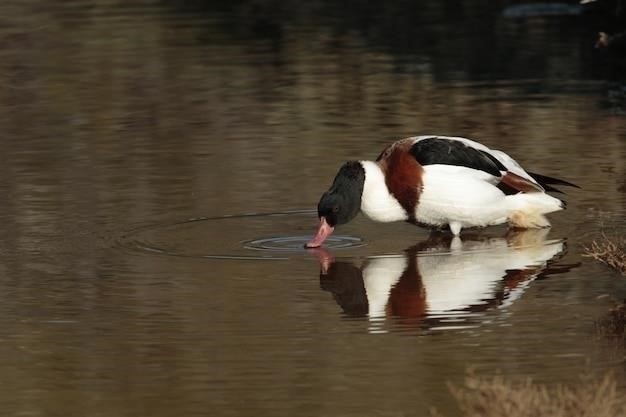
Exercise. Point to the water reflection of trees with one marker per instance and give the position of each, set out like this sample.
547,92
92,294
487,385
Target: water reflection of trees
458,39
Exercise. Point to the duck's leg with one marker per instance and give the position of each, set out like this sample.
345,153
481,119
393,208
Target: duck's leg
456,244
455,228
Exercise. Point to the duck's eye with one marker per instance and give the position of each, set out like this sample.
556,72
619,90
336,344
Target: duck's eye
335,209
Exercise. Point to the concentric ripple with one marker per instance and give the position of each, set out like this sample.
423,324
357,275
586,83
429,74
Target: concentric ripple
232,236
296,243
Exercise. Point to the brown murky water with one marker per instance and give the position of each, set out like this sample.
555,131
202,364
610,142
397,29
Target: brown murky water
160,164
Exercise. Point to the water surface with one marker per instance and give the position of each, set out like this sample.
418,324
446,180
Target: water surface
153,151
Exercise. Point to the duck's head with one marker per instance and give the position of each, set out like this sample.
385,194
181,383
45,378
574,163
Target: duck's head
341,203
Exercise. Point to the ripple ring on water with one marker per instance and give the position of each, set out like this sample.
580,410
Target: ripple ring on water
195,237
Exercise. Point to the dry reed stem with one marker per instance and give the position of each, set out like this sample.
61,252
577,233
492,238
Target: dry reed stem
611,252
613,325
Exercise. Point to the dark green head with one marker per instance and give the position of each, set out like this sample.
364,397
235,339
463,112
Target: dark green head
342,202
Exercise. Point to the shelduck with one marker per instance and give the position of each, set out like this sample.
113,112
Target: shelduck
438,182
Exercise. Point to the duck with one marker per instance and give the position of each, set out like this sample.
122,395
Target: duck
438,182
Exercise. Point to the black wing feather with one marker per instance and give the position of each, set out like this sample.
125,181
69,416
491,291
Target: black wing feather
545,180
444,151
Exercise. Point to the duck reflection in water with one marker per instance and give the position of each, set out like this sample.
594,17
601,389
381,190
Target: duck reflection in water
444,280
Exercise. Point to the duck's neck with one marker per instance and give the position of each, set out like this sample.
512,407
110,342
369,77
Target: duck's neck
376,202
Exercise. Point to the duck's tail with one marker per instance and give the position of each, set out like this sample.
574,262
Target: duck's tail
548,182
526,210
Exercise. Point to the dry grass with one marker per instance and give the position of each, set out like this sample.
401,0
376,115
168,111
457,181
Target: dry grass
498,397
609,251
